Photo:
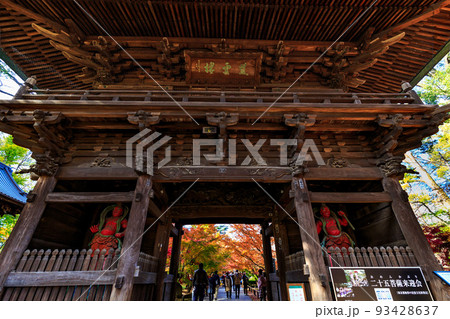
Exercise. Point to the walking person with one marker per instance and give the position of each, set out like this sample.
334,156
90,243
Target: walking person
237,283
245,283
262,285
214,282
200,283
228,284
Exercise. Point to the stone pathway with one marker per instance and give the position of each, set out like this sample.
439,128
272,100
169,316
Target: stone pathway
222,296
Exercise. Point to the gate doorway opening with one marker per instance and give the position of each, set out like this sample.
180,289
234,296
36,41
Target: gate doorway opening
221,248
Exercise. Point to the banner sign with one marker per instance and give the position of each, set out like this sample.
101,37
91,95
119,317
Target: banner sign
444,275
379,284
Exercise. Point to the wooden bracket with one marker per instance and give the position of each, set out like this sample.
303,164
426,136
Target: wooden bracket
144,119
222,120
390,141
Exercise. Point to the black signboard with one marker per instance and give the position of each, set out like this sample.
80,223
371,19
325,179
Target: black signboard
379,284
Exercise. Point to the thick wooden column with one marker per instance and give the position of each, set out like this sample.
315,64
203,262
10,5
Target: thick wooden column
129,256
26,225
318,279
414,236
160,252
175,258
268,263
281,245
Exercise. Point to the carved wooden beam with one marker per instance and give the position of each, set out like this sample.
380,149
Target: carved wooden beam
143,119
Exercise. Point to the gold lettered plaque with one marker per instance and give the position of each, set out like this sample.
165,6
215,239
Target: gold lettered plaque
237,68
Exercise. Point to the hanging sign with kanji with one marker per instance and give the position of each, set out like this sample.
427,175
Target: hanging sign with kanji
240,69
379,284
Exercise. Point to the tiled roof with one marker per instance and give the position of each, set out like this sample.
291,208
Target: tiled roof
8,187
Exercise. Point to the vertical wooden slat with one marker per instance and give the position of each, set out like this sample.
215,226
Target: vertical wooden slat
346,257
387,261
113,266
98,266
48,267
80,289
100,295
340,259
373,259
70,267
90,290
359,257
57,267
365,256
78,265
19,268
34,267
380,260
24,229
26,268
391,256
43,292
42,267
353,260
62,262
399,257
334,261
405,257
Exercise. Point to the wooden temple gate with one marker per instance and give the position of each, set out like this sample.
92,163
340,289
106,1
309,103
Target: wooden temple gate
220,81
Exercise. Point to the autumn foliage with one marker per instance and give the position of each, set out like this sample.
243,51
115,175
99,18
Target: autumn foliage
221,248
439,239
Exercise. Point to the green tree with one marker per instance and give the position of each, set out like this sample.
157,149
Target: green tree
17,158
435,87
7,223
428,182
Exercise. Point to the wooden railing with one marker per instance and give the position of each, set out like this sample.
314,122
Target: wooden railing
359,257
70,275
220,96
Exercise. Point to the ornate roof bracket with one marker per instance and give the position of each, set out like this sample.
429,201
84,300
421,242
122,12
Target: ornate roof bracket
392,166
341,69
222,120
389,142
101,61
143,119
46,165
300,121
53,139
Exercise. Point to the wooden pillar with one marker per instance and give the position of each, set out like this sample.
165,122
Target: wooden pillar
281,245
268,263
160,252
175,258
129,256
414,236
318,279
23,231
